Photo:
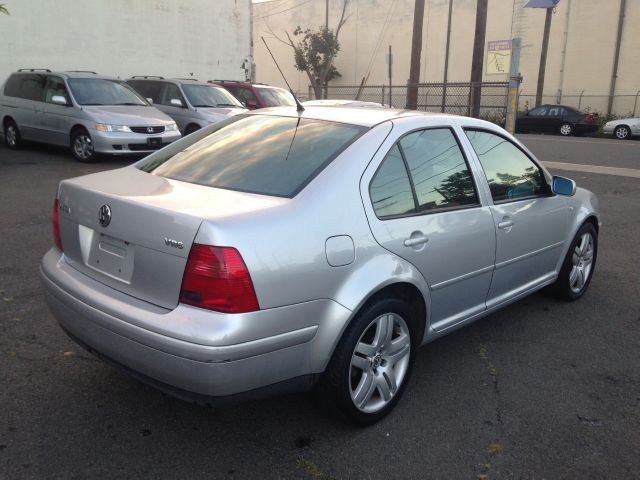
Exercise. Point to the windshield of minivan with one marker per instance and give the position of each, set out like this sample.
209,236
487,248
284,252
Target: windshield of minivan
102,91
274,97
206,96
262,154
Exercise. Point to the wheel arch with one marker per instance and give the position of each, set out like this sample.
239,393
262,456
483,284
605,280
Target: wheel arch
191,125
625,126
76,128
406,283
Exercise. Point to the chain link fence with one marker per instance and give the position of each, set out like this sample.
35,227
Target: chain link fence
452,98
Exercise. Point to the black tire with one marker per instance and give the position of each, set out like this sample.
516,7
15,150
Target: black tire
566,129
338,380
562,287
82,146
622,132
12,137
191,128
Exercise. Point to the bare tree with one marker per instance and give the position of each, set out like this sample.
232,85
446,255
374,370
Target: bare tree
316,51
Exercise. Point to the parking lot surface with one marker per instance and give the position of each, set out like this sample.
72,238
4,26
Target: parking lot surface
542,389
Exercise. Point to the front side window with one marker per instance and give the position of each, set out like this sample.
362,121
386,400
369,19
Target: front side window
102,91
56,88
171,92
245,95
440,174
390,189
510,173
261,154
209,96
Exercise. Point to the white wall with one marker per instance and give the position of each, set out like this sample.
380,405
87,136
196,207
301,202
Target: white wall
209,38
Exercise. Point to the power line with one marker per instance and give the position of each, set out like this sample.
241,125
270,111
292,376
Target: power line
283,11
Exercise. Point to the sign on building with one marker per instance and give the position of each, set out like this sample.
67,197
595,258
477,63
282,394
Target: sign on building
498,57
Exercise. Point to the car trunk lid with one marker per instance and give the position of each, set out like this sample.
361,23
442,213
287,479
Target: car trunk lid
133,231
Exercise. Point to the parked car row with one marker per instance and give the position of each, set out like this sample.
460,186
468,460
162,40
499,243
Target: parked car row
96,114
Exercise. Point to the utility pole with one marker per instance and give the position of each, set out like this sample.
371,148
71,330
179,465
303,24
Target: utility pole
616,57
416,51
446,59
390,62
543,56
326,14
478,58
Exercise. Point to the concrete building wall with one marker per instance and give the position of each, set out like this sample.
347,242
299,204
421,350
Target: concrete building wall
209,39
590,27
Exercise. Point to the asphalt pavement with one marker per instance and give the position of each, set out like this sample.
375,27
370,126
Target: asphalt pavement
542,389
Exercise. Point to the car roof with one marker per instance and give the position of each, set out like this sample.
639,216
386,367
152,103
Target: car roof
180,81
65,74
366,117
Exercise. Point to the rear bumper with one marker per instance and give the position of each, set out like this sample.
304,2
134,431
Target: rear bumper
229,355
117,143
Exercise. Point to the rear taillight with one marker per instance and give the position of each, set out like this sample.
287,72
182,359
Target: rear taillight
56,226
216,278
588,117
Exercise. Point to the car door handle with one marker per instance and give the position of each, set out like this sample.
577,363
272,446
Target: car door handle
413,241
505,224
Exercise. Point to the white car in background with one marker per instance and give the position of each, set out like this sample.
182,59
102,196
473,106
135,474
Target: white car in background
623,128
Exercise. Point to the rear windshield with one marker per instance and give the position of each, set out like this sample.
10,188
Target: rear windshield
272,97
101,91
261,154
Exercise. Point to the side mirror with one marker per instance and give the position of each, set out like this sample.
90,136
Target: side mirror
150,100
59,100
563,186
176,102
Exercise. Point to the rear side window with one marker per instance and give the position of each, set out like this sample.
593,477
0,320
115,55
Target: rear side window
148,89
257,153
510,173
29,86
390,189
438,169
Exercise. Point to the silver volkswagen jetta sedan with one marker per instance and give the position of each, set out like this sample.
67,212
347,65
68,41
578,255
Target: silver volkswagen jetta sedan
279,250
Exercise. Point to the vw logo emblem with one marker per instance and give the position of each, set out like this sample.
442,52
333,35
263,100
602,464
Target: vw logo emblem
149,129
104,215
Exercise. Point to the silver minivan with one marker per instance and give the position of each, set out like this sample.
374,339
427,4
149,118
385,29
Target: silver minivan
192,104
92,114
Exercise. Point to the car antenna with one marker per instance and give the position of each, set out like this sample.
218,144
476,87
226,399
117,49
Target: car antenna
299,106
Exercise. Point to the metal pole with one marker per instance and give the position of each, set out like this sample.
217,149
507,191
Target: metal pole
616,56
446,58
478,57
564,52
514,84
416,50
326,14
543,56
390,82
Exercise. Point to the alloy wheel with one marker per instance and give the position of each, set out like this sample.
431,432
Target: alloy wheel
582,263
11,135
566,129
379,362
622,133
83,147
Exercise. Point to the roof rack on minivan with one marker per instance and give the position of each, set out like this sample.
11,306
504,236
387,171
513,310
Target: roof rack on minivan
34,70
148,76
190,79
81,71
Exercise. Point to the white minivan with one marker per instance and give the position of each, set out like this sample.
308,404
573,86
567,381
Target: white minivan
90,113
